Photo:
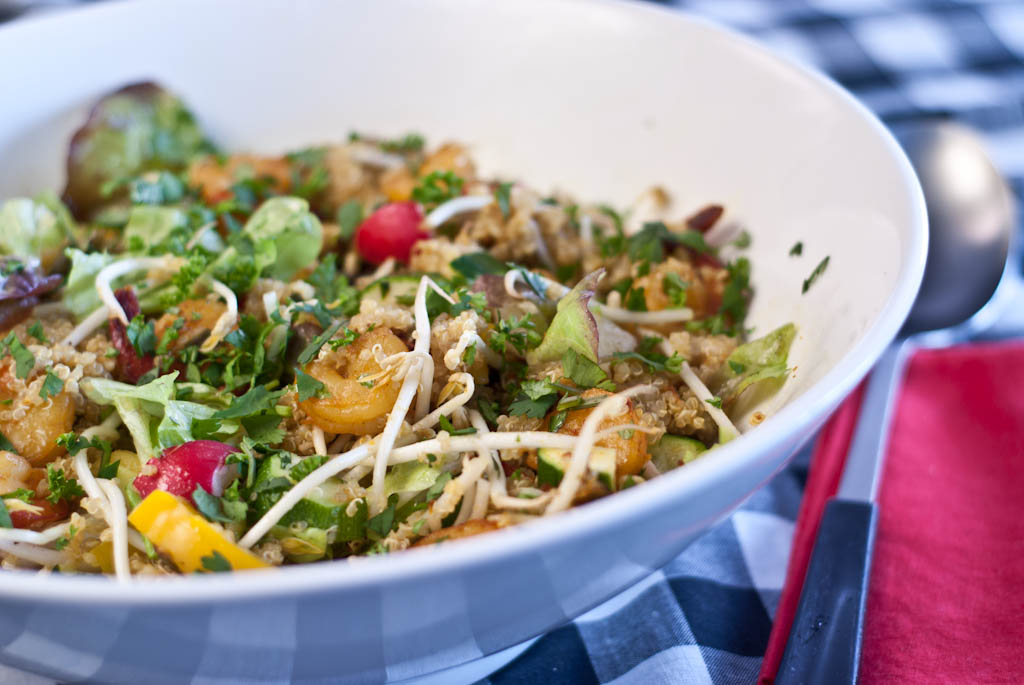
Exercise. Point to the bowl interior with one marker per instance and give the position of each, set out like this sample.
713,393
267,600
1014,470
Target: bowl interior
598,99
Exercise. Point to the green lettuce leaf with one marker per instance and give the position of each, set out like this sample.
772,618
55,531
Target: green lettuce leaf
755,362
294,231
79,294
573,326
32,228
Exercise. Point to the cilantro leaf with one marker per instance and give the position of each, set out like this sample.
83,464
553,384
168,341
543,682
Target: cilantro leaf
478,264
534,399
264,428
5,516
350,215
256,400
61,487
435,490
209,505
313,348
715,402
380,525
636,300
736,292
52,385
65,540
307,386
501,196
76,443
584,372
647,354
216,563
797,249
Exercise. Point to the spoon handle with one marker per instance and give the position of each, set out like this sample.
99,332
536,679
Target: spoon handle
824,642
825,637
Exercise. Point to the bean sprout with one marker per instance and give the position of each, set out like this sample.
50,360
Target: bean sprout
459,205
226,320
89,324
111,272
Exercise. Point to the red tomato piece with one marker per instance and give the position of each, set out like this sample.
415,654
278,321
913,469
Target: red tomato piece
391,231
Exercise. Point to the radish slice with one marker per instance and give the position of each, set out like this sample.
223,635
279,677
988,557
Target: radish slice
183,467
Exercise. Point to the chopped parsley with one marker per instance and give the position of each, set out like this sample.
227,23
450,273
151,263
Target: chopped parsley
736,293
675,288
24,360
715,402
52,385
410,142
469,356
5,516
797,249
36,331
61,487
447,426
815,275
437,187
76,443
65,540
24,494
142,335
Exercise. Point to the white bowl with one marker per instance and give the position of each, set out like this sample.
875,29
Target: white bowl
598,98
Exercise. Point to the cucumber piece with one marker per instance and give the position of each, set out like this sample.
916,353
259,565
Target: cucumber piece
398,289
675,450
302,546
325,507
411,476
552,463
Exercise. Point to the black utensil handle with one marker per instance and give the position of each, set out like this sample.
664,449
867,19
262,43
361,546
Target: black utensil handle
824,641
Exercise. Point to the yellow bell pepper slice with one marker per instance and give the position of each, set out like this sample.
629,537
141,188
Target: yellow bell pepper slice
186,537
104,555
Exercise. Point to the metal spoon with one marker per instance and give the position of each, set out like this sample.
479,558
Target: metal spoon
971,217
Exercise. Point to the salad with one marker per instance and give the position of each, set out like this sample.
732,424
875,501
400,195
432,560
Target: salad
215,361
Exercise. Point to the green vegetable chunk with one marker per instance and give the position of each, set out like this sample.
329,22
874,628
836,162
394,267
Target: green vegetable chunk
138,128
573,327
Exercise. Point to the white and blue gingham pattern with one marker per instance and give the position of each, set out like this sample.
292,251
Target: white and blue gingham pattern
705,618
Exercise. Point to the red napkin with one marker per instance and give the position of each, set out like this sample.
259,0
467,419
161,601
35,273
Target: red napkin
946,603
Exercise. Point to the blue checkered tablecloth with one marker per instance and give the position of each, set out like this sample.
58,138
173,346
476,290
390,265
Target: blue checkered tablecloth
706,617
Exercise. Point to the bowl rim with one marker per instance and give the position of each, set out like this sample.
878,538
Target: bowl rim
794,419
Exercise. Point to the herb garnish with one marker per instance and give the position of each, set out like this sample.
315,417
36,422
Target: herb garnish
818,271
61,487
